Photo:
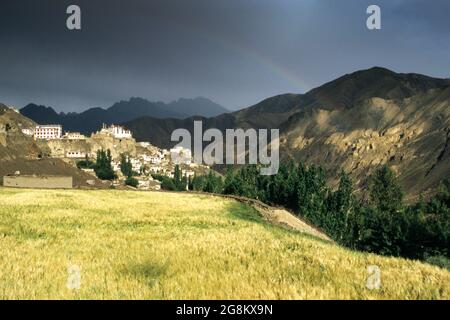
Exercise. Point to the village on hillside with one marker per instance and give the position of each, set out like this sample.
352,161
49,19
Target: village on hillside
146,159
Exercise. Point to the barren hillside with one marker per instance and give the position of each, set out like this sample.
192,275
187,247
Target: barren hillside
356,123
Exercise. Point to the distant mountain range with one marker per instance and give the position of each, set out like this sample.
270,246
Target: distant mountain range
91,120
356,123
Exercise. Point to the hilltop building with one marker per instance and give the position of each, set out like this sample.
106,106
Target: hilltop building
48,132
116,131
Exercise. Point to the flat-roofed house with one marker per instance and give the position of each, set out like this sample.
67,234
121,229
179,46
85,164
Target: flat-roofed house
48,132
28,132
74,136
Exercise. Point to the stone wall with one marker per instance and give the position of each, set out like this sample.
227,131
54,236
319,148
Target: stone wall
41,182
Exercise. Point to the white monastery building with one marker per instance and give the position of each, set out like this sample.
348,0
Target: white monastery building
52,131
118,132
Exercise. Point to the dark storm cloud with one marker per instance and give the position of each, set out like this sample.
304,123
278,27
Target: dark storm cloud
234,52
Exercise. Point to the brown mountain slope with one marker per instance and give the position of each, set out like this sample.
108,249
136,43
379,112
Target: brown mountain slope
356,122
375,117
410,135
13,143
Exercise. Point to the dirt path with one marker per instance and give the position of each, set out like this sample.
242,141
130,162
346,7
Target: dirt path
280,216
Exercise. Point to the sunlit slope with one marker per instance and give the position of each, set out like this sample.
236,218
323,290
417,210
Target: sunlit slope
140,245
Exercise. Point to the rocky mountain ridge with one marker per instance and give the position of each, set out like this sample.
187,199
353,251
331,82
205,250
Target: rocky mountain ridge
355,123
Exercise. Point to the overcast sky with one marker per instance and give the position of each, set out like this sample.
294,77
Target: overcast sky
233,52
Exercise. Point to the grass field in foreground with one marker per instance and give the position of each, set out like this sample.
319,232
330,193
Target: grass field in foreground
142,245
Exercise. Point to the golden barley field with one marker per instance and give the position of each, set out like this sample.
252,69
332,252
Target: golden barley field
154,245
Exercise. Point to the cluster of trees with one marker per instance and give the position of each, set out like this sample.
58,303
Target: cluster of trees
127,170
103,168
86,163
177,183
381,222
211,183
